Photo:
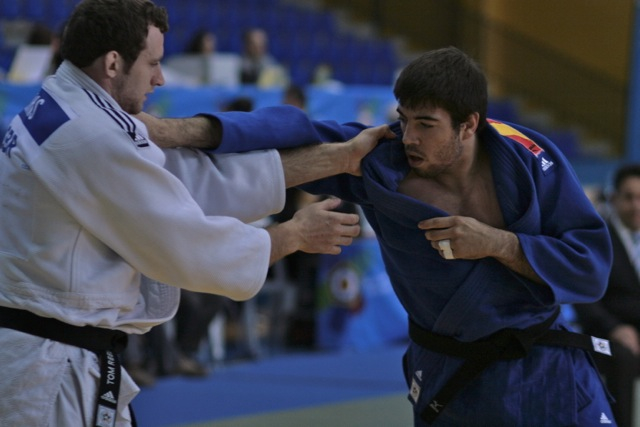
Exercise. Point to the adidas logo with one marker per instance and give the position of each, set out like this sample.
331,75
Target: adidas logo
108,396
138,139
604,419
546,164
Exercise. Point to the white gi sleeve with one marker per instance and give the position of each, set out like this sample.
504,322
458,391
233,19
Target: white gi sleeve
245,186
119,191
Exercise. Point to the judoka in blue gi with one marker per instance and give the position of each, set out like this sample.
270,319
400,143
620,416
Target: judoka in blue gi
485,231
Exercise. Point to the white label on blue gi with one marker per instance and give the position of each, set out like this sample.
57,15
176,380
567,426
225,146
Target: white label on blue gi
415,391
601,345
106,417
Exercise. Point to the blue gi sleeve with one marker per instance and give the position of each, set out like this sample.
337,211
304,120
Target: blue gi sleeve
572,249
282,126
286,127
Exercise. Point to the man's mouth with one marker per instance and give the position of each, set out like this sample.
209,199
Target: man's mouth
413,157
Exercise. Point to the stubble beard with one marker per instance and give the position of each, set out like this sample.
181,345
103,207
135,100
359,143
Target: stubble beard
122,95
447,157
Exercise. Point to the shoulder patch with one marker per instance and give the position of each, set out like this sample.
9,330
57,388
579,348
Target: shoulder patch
509,132
43,116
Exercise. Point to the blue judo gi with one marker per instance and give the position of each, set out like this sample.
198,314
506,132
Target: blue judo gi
562,236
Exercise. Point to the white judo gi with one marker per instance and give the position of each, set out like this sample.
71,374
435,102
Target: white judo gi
89,207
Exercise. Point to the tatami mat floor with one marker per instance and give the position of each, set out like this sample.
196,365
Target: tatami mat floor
317,389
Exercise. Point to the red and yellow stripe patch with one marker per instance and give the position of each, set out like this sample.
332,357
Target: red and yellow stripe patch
520,138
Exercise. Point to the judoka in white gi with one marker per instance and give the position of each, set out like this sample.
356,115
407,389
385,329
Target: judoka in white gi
99,226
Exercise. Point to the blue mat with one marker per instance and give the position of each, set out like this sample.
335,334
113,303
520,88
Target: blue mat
277,383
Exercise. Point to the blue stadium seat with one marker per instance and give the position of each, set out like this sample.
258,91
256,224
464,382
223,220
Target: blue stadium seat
302,72
299,37
58,12
34,10
10,9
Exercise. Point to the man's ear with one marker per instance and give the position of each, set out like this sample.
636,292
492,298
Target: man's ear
470,126
112,63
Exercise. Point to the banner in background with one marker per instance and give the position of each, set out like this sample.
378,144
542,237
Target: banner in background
371,105
357,308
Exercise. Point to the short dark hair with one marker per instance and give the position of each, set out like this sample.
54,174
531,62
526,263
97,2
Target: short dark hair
446,78
625,172
241,103
295,91
96,27
196,43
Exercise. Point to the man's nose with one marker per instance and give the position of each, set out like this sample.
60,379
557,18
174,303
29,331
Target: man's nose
409,136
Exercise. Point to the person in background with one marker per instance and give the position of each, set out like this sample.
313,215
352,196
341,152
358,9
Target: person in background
485,232
257,65
34,58
616,316
194,315
100,228
301,269
203,42
240,103
296,96
202,64
323,77
166,351
40,34
56,59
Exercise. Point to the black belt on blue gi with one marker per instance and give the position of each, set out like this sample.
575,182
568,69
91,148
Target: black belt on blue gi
106,343
505,344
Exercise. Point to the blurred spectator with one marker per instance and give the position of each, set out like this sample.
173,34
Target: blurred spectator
258,66
294,95
597,195
202,64
195,313
40,34
242,317
323,77
175,348
300,270
56,58
616,315
241,103
203,42
33,59
197,310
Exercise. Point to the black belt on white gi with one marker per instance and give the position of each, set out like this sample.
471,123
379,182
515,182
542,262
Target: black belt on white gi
505,344
106,343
